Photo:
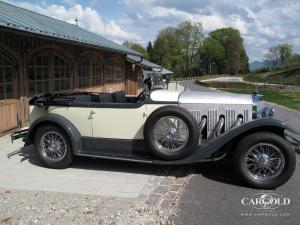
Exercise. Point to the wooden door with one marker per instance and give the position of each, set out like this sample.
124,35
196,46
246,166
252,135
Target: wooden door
10,117
9,102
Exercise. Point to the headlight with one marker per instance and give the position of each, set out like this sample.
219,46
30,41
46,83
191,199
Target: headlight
265,112
256,98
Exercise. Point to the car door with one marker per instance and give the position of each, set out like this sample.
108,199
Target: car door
120,121
116,128
79,116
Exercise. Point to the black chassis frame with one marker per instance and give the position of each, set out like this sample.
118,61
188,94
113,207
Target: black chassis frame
136,150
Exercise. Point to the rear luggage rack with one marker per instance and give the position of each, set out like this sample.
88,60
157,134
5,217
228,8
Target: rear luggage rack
19,134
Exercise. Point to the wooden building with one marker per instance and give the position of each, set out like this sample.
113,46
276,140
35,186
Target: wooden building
40,54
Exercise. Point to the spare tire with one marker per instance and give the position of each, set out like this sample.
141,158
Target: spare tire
171,133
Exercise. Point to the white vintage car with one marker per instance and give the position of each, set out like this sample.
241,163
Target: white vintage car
162,127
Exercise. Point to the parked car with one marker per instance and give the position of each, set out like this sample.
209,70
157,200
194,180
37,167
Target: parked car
162,127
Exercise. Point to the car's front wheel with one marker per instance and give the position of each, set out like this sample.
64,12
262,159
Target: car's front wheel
265,160
53,147
171,133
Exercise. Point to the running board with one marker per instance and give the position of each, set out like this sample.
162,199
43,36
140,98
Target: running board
146,159
130,158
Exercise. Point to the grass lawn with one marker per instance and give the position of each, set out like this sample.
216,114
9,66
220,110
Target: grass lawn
255,78
290,99
283,79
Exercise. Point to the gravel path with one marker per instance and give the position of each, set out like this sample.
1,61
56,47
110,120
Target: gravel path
24,207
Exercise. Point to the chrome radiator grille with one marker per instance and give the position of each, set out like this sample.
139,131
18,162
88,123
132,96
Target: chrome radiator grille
213,114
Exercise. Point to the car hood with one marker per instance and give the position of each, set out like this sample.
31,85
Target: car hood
198,97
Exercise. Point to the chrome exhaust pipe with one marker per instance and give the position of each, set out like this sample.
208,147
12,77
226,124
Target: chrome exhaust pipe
220,126
201,128
238,122
218,129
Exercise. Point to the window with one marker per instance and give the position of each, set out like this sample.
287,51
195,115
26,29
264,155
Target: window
38,75
115,71
140,79
7,78
62,74
48,72
90,72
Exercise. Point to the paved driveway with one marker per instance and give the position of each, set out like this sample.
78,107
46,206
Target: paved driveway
226,79
214,194
86,176
192,86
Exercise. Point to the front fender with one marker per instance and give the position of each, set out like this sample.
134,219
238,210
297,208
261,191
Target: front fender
204,152
61,122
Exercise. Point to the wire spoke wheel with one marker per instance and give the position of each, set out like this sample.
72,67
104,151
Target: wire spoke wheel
171,134
264,161
53,146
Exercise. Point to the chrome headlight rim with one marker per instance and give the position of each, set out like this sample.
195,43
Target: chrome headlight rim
265,112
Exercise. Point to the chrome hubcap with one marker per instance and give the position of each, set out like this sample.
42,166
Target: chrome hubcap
53,146
264,161
170,133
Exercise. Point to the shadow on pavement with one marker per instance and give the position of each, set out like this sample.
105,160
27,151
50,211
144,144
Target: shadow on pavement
26,153
221,171
86,163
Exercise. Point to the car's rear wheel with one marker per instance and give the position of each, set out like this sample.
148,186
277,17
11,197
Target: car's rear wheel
53,147
171,133
265,160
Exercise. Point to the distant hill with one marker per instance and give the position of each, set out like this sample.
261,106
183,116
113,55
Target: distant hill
260,64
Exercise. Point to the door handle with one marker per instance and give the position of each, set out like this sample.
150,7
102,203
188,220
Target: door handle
91,114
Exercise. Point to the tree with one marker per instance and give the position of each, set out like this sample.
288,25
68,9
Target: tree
126,44
184,50
232,42
136,47
280,55
295,59
273,56
211,55
286,53
166,50
190,37
244,62
149,49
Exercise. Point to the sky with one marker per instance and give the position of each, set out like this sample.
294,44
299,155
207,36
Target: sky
262,23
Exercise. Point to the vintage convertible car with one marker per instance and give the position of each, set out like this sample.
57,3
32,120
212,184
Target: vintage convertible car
162,127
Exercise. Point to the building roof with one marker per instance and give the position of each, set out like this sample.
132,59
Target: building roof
146,63
17,18
166,71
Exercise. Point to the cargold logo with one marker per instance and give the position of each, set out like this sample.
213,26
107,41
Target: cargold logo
266,201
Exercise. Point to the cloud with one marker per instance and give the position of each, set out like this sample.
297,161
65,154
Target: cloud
88,18
261,23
